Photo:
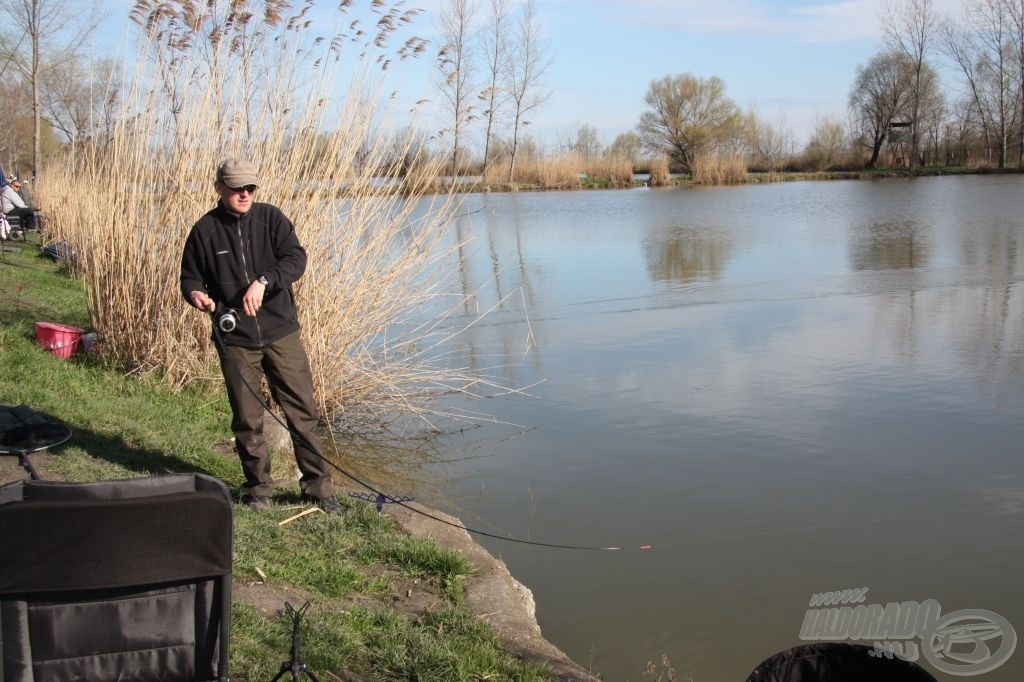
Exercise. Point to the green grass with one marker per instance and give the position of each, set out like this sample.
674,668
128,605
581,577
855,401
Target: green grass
126,426
419,557
378,644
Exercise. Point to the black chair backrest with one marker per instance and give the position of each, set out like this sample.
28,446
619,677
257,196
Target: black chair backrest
837,662
116,580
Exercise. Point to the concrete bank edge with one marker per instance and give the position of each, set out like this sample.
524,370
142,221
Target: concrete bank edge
494,594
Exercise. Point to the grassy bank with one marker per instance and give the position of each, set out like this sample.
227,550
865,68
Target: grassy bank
733,176
385,606
588,181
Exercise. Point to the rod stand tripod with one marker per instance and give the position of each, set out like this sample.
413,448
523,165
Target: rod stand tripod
295,665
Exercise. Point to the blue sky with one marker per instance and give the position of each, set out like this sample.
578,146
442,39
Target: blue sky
792,60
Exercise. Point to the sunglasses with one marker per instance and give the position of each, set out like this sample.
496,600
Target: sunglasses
251,189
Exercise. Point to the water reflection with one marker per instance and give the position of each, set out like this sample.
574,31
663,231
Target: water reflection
833,398
889,246
686,254
995,250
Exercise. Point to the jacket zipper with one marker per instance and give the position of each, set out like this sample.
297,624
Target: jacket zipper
248,281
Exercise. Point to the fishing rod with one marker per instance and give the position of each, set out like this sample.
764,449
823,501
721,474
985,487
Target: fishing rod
220,314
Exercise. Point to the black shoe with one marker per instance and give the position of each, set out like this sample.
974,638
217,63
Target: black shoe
328,504
257,502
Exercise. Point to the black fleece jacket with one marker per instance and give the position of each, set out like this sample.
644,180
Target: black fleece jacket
225,253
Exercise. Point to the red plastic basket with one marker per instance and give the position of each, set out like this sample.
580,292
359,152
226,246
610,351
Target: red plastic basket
60,339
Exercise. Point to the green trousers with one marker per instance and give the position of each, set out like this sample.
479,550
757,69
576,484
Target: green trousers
286,367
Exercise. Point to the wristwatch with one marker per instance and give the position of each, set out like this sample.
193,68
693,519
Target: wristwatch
262,279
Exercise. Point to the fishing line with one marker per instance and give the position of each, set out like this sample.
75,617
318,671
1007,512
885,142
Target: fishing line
219,341
11,56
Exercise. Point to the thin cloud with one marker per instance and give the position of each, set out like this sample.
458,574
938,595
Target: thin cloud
809,22
838,21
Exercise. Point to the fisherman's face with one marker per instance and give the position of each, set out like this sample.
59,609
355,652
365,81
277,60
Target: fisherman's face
237,200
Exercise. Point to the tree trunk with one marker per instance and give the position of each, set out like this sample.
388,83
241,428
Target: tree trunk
876,149
36,106
515,147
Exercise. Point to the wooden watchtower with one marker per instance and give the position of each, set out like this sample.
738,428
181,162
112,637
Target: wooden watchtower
898,137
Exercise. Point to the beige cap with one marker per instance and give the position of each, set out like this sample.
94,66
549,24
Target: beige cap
237,173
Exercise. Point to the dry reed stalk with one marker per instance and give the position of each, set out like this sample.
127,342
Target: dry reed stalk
374,254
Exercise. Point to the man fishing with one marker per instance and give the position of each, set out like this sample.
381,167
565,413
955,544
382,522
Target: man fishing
239,263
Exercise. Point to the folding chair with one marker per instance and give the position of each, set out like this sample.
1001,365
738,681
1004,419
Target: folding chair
14,230
117,580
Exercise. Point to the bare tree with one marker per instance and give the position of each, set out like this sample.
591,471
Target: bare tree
529,62
688,115
982,50
958,46
880,95
494,42
826,143
80,100
959,125
587,143
911,27
770,142
627,146
54,29
933,114
455,64
17,125
1015,12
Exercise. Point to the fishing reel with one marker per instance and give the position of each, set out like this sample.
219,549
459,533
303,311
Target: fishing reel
227,320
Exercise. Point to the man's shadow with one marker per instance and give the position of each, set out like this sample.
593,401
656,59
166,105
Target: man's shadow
113,449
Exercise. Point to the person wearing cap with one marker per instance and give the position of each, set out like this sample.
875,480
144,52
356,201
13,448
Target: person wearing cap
14,205
244,256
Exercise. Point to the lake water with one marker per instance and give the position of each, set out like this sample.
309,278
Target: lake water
782,389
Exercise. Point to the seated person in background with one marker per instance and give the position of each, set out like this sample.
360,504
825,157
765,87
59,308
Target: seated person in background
13,204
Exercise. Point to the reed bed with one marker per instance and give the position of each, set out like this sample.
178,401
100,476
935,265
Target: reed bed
614,171
265,89
711,168
979,163
659,172
563,171
540,172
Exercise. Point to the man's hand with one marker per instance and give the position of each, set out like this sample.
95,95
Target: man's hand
253,299
200,300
